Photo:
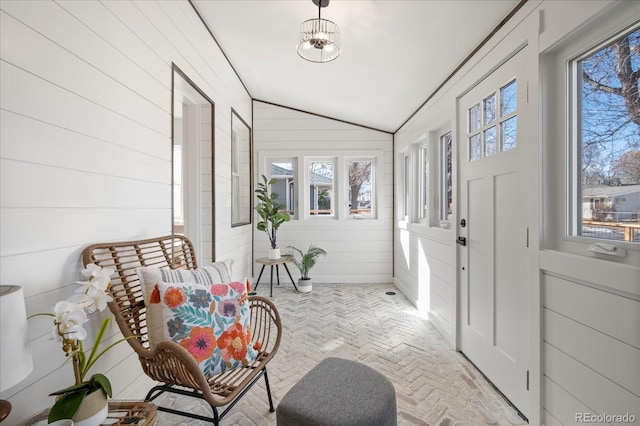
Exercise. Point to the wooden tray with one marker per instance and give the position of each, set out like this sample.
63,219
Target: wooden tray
120,413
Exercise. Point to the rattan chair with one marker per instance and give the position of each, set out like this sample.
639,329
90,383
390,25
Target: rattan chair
169,363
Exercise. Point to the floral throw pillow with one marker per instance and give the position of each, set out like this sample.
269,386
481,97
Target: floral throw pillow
209,321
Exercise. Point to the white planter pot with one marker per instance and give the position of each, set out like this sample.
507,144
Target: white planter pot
93,411
274,254
305,286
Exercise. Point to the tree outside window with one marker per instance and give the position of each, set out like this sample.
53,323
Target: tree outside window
360,181
608,140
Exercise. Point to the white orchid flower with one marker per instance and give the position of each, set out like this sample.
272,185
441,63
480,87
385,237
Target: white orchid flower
95,301
75,332
98,277
69,320
84,301
90,270
101,300
95,288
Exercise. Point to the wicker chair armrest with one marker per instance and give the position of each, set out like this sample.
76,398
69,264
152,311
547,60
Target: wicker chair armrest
172,364
266,327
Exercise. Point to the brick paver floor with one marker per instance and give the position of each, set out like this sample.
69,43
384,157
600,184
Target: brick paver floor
434,384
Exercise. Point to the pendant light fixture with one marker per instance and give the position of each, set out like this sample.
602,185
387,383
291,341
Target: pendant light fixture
319,38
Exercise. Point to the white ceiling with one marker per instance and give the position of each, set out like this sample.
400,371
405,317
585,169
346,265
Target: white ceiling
395,53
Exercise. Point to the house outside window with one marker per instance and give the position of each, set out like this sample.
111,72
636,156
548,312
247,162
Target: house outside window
284,173
321,188
605,112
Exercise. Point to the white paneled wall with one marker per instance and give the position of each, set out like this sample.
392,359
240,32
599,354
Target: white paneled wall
359,251
591,351
85,155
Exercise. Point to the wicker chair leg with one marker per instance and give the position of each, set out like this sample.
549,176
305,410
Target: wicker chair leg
266,381
154,392
158,390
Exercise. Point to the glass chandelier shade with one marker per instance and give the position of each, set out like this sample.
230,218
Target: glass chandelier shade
319,40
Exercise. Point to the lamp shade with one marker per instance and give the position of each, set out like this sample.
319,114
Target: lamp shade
16,362
319,40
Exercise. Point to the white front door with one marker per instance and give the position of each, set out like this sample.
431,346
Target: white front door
492,228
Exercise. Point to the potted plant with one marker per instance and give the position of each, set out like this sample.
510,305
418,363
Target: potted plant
304,262
270,215
86,401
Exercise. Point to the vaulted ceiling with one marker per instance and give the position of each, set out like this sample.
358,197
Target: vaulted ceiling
395,53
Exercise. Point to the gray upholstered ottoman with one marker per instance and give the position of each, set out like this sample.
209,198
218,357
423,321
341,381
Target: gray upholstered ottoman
339,392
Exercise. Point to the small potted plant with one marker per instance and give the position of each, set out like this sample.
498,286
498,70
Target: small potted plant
270,215
304,262
86,401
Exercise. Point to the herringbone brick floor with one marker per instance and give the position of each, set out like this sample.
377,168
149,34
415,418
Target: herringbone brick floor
434,384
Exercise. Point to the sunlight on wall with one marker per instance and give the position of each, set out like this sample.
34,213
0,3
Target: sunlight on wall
424,281
405,237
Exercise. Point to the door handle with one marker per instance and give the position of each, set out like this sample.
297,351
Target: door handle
462,241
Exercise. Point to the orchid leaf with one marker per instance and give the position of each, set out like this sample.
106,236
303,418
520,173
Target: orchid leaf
71,389
101,381
67,406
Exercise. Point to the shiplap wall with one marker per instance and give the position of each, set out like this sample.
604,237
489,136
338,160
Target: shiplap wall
591,351
359,251
85,155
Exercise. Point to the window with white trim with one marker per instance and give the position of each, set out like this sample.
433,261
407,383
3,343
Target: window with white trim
605,140
361,188
406,185
446,185
284,172
321,174
423,184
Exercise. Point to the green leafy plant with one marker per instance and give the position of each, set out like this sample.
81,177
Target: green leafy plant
269,210
69,317
305,261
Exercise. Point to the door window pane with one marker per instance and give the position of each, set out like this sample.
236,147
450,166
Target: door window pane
491,134
508,98
489,110
475,147
509,134
474,118
490,141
